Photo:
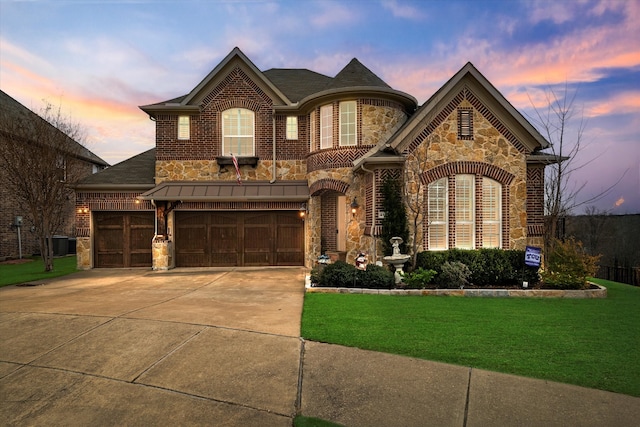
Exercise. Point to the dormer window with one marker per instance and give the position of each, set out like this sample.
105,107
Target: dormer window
183,127
238,133
465,123
348,136
292,127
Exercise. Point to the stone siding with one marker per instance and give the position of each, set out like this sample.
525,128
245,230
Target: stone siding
380,122
488,150
209,170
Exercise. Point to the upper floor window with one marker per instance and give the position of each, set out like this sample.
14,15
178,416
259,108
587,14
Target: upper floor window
183,127
292,127
238,132
465,123
326,126
348,123
312,131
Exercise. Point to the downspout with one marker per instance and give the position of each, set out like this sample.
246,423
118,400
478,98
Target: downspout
373,213
155,217
273,156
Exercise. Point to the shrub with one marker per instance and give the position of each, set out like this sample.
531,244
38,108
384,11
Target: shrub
339,275
569,266
343,275
419,279
489,267
375,277
454,275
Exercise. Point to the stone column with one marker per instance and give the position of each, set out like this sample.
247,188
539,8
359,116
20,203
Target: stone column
83,253
160,253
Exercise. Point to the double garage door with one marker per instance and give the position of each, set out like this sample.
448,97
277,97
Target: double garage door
222,239
123,239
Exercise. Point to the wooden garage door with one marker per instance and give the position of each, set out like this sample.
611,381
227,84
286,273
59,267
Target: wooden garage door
223,239
123,239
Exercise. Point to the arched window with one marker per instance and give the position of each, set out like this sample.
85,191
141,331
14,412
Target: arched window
457,223
238,132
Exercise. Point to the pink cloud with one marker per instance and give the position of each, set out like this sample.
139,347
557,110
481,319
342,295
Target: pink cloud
403,10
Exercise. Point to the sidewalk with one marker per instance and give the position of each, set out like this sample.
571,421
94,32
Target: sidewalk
222,347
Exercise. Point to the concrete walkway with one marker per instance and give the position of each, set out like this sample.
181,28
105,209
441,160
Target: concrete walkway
222,348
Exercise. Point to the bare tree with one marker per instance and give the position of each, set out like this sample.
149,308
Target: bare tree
414,191
563,125
40,164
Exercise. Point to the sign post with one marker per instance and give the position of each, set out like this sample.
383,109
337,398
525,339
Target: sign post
532,259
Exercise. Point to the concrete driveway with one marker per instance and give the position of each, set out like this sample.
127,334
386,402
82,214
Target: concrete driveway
133,347
222,348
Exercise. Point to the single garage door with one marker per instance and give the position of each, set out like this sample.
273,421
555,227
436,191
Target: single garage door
123,239
224,239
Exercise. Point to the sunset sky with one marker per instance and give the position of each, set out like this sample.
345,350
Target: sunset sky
99,60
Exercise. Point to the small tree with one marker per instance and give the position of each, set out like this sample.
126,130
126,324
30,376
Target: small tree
394,223
39,157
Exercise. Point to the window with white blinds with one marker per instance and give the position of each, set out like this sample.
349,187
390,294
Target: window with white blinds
438,213
491,213
238,132
348,126
326,126
465,212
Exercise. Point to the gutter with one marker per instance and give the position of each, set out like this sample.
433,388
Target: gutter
273,166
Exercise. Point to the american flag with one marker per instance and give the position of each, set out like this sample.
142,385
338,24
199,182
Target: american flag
235,163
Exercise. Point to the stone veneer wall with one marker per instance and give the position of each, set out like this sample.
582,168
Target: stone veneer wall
489,147
380,120
208,170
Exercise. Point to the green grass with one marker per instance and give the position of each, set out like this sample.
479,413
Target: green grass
11,274
588,342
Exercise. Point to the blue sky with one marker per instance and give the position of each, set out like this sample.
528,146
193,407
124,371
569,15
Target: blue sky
99,60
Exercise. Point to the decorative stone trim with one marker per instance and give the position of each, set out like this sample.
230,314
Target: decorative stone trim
462,167
601,292
328,184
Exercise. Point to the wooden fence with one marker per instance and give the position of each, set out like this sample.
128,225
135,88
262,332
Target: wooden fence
629,275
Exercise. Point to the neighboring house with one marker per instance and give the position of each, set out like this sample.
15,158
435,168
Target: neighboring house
312,152
86,163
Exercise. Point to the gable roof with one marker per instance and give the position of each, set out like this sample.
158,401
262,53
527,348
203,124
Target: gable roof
191,101
137,172
290,88
469,77
11,110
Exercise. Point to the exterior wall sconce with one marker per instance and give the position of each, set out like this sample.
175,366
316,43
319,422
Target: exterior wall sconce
302,212
83,210
354,207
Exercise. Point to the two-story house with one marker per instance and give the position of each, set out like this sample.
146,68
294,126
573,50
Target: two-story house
20,127
275,167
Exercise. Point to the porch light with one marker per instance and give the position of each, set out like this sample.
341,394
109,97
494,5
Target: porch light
302,212
354,206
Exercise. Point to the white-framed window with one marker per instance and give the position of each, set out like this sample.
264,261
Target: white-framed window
326,126
348,122
61,167
312,131
465,212
438,212
491,213
292,127
238,133
184,129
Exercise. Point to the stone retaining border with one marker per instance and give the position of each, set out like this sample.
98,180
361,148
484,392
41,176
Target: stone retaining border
601,292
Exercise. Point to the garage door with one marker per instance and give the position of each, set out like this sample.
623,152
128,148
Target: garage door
123,239
224,239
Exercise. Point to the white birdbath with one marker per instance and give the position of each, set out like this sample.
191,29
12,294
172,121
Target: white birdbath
397,259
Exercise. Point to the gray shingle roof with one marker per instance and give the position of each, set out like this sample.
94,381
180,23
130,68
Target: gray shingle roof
297,84
136,171
355,74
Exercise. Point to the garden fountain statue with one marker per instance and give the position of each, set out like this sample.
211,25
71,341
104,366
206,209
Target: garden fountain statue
397,259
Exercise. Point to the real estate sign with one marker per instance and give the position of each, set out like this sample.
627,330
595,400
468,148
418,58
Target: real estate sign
532,256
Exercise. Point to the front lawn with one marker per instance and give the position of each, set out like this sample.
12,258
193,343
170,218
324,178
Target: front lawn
32,271
588,342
